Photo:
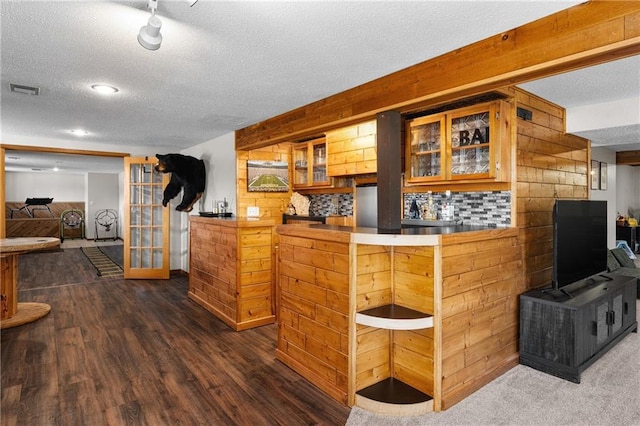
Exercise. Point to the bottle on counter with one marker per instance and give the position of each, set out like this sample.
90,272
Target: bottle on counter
414,212
448,210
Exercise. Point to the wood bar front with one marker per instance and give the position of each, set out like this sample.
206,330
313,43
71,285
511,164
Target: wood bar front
231,269
468,281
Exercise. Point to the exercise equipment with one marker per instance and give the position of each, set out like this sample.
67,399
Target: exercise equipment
32,204
71,219
107,219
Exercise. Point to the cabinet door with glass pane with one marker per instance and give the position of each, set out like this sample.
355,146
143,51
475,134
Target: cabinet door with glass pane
425,148
471,142
146,236
310,164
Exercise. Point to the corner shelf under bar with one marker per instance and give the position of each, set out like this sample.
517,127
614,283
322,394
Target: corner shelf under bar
394,397
394,317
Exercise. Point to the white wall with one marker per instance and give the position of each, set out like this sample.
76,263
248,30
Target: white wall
623,190
102,193
62,187
220,161
610,194
628,189
623,112
219,158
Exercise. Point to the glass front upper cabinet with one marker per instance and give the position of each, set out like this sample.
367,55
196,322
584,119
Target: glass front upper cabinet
310,164
425,148
470,137
457,145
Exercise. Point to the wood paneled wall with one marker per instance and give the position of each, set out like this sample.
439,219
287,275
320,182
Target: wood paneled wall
231,271
213,269
373,288
42,224
479,311
352,150
550,164
56,209
313,315
271,204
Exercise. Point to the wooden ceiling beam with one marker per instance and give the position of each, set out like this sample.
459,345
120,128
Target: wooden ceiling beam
628,158
584,35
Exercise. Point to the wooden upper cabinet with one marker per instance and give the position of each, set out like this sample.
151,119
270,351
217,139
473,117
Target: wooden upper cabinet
466,144
425,145
352,150
310,164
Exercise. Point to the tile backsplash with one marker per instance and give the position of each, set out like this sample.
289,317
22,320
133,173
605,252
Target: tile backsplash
491,208
330,204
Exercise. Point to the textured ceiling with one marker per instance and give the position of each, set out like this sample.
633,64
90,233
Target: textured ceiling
222,65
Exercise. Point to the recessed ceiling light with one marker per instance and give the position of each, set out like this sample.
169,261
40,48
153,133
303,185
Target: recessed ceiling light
55,169
104,89
79,132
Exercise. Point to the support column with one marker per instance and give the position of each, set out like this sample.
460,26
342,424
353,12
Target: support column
389,134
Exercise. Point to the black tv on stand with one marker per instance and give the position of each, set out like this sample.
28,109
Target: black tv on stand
579,241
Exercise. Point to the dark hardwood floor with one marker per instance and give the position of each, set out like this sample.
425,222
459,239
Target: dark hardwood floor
139,352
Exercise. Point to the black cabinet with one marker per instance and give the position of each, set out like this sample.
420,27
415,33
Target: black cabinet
564,333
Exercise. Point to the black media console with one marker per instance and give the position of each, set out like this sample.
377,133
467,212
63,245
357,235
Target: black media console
563,333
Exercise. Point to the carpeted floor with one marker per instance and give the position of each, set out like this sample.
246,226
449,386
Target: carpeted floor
609,394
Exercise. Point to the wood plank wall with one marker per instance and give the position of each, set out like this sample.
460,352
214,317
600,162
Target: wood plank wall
479,311
313,314
373,288
271,204
231,272
255,298
213,269
413,286
42,224
550,164
56,209
352,150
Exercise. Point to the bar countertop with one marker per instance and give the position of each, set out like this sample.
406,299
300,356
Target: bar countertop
234,222
424,236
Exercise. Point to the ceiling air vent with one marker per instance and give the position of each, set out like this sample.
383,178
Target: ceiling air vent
25,90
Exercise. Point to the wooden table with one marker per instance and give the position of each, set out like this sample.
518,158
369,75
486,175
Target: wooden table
12,312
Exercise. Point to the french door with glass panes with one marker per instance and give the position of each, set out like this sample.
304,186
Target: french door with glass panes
146,236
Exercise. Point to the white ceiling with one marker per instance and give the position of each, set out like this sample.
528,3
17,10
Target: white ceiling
224,65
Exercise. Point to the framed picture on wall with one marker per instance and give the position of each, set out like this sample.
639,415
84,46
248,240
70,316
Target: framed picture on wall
595,174
603,176
267,176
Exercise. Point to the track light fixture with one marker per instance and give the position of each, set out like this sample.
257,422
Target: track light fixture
149,36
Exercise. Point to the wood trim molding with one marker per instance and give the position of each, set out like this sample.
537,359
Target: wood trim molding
628,158
3,223
63,150
584,35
